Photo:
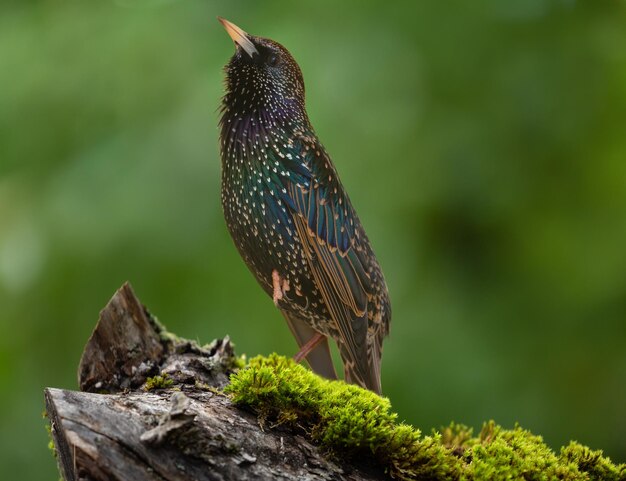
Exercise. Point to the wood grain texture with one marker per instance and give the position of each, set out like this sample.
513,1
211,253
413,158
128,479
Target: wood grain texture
189,431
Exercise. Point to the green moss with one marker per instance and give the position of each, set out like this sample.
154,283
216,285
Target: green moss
593,463
158,382
239,362
457,437
48,427
356,423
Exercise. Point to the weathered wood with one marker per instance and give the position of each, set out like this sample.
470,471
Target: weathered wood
124,347
189,431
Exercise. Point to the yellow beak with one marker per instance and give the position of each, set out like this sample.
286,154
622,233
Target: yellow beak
239,37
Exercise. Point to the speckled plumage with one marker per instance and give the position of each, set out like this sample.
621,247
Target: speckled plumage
288,213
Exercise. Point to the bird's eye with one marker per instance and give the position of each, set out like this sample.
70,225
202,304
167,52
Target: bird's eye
272,59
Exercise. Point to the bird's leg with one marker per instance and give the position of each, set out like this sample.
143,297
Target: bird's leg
308,347
280,286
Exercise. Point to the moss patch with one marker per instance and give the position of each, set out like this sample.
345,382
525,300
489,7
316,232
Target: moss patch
158,382
354,422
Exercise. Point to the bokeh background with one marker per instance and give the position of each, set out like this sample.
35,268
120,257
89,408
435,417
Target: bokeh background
483,144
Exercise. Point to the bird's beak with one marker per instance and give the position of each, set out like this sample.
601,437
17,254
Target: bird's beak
239,37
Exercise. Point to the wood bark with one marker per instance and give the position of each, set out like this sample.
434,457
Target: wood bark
114,429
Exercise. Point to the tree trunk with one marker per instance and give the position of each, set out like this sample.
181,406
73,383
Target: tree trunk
175,425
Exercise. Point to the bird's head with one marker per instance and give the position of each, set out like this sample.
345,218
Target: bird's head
261,73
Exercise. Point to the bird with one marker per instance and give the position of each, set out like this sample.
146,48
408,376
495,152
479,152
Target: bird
291,219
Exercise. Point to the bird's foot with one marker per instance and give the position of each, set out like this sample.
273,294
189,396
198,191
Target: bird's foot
280,286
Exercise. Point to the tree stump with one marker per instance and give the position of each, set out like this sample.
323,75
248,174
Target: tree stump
151,409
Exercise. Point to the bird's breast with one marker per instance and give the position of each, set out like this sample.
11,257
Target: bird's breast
262,228
260,222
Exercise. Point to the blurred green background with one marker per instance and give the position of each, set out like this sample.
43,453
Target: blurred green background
483,144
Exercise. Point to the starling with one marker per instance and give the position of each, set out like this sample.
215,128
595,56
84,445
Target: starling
290,217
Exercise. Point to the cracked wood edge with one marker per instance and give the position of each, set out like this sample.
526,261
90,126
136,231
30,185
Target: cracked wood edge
112,437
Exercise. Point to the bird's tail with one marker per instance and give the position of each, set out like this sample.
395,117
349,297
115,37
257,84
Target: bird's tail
367,373
371,382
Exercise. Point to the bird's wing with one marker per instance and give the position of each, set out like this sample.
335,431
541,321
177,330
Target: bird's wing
337,251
